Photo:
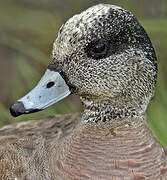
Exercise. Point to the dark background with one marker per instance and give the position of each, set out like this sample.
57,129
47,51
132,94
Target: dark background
27,31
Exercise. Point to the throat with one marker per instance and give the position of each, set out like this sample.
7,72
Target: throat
95,111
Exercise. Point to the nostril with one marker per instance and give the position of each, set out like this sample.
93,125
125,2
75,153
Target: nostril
17,109
50,84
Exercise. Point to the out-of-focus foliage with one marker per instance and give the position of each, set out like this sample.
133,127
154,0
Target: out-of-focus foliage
27,31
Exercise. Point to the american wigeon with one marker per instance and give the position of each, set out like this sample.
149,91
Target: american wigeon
105,56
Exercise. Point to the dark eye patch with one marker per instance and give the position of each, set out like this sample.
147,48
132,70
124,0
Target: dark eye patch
98,49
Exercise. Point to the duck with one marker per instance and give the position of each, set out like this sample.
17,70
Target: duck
104,56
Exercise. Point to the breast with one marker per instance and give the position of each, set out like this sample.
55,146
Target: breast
109,152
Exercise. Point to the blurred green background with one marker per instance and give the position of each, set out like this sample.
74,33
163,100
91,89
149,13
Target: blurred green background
27,31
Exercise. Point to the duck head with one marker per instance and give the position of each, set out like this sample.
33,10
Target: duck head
103,55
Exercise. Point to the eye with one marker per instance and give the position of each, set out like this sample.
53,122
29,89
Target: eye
97,49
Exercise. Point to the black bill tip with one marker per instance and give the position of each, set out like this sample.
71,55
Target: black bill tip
18,109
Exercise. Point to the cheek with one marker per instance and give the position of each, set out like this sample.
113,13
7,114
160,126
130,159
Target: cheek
90,80
94,77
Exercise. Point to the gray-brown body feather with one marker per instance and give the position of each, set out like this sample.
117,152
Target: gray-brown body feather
62,148
25,147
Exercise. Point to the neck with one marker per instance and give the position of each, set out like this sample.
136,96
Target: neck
106,110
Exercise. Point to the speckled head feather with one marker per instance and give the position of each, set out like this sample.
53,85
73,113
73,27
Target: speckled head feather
102,21
122,72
